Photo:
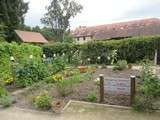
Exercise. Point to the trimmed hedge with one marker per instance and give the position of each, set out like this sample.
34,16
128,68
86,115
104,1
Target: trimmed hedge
59,48
130,49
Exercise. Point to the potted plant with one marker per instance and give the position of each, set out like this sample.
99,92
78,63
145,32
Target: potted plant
82,68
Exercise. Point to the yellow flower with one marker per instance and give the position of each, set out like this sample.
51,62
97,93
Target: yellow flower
8,81
58,77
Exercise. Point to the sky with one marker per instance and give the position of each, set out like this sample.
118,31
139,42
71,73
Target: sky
97,12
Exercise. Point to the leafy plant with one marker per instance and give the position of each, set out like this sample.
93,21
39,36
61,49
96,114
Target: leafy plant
149,90
58,65
6,100
29,72
20,53
92,96
3,91
42,101
120,65
64,87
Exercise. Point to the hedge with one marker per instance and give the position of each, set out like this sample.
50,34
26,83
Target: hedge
19,52
130,49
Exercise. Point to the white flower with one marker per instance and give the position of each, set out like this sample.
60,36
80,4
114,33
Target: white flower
99,58
108,58
54,55
63,54
31,56
97,79
44,56
89,59
12,58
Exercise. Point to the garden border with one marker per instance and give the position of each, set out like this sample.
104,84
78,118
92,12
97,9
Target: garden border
96,104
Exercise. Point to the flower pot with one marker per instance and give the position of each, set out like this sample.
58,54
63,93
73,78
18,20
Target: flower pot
57,106
82,69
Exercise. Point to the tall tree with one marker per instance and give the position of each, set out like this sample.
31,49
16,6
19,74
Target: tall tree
58,16
12,15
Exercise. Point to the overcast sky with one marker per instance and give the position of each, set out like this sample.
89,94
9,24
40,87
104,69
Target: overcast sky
98,12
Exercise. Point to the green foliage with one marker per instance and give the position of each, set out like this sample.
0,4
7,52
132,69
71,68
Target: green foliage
3,92
48,34
21,53
12,16
64,87
131,50
6,100
78,78
70,51
143,103
30,72
58,15
92,96
120,65
149,90
68,38
43,101
58,64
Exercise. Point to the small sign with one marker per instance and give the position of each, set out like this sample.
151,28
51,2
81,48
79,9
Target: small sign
117,86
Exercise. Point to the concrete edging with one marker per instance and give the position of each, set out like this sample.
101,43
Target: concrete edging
96,104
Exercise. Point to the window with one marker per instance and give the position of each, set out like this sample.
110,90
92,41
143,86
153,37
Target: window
84,38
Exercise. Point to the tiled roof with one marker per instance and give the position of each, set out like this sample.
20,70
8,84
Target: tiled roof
143,27
31,37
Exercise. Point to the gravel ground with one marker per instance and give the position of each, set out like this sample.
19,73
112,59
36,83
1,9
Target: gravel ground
80,91
78,111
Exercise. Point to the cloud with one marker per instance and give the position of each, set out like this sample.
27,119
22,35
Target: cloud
97,12
35,12
147,9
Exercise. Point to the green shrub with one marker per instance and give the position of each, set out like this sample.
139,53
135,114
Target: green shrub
6,100
58,65
149,90
43,101
30,72
120,65
92,96
20,52
60,48
143,103
3,91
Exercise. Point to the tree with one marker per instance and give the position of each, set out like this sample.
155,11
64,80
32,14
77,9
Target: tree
36,29
58,16
48,34
12,15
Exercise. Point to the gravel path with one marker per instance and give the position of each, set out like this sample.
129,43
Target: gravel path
78,111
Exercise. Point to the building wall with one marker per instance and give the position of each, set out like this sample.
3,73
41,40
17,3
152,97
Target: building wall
82,40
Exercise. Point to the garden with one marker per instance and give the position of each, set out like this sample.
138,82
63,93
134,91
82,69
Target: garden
46,77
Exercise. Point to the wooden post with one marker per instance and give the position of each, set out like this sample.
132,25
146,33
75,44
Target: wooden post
133,89
101,88
155,57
